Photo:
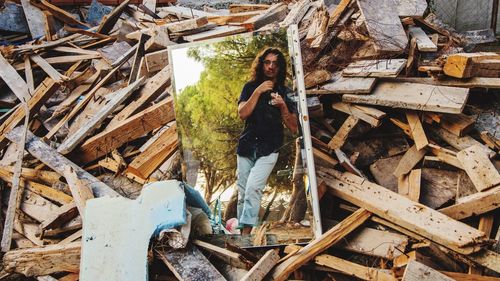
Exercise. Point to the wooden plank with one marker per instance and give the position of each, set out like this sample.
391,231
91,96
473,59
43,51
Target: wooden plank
376,243
276,13
316,77
139,53
345,85
219,31
150,4
409,160
414,184
54,74
416,271
159,39
375,68
403,212
297,12
238,8
475,82
127,130
424,44
488,259
341,136
28,73
329,238
119,96
414,96
317,28
416,129
183,25
229,257
337,13
478,167
384,25
459,143
44,260
109,20
156,61
44,91
468,277
81,191
59,60
64,214
15,82
40,150
475,204
356,111
465,65
353,269
151,90
151,159
59,13
35,18
262,267
457,124
189,264
411,8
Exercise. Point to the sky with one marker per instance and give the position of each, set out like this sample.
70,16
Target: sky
186,70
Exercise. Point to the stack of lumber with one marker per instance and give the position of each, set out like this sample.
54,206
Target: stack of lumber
405,140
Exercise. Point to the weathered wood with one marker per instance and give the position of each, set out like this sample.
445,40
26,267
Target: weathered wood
12,18
416,271
228,18
64,214
59,13
341,136
384,25
332,236
475,204
376,243
345,85
159,39
231,258
316,77
353,269
465,65
44,91
468,277
127,130
81,191
460,143
156,61
28,73
262,267
44,260
414,96
337,13
358,112
478,167
152,158
14,80
417,131
218,31
35,18
238,8
52,72
296,14
318,28
411,8
375,68
276,13
151,90
404,212
457,124
189,264
36,147
475,82
118,97
424,44
109,20
409,160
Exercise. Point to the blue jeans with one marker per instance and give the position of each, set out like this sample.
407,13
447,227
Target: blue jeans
252,178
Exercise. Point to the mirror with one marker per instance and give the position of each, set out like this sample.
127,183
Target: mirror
243,129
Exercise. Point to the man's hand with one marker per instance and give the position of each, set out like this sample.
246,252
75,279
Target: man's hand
264,87
277,100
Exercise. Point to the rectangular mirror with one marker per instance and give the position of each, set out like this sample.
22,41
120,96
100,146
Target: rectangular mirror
241,115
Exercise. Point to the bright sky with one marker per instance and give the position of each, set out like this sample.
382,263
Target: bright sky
186,70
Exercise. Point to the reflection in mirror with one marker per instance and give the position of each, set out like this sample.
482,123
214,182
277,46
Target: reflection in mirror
241,139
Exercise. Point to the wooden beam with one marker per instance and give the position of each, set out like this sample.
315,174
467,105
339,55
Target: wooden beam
476,82
156,61
275,13
109,20
341,136
52,72
479,168
219,31
424,44
59,13
414,96
35,18
40,150
404,212
297,12
329,238
127,130
475,204
409,160
375,68
15,82
231,258
262,267
466,65
81,191
345,85
44,260
358,112
64,214
417,130
93,123
468,277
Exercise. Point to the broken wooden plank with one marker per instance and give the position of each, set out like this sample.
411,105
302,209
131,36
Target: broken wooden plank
409,160
15,82
118,97
411,8
384,25
375,68
465,65
189,264
262,267
52,72
59,13
229,257
345,85
416,130
159,39
475,82
109,20
358,112
416,271
39,149
478,167
276,13
376,243
457,124
332,236
44,260
414,96
316,77
64,214
152,158
35,18
297,12
468,277
156,61
341,136
475,204
219,31
81,191
460,143
424,44
183,25
129,129
404,212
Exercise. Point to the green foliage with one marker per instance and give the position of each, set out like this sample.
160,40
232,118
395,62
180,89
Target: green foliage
208,111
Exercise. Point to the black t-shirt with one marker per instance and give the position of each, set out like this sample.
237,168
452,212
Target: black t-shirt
263,132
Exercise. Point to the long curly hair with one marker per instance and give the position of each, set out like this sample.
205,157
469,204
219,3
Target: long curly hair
257,70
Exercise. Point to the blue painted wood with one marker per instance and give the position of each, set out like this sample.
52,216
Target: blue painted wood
12,18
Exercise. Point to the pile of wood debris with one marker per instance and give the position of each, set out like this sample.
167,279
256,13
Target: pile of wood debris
404,128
